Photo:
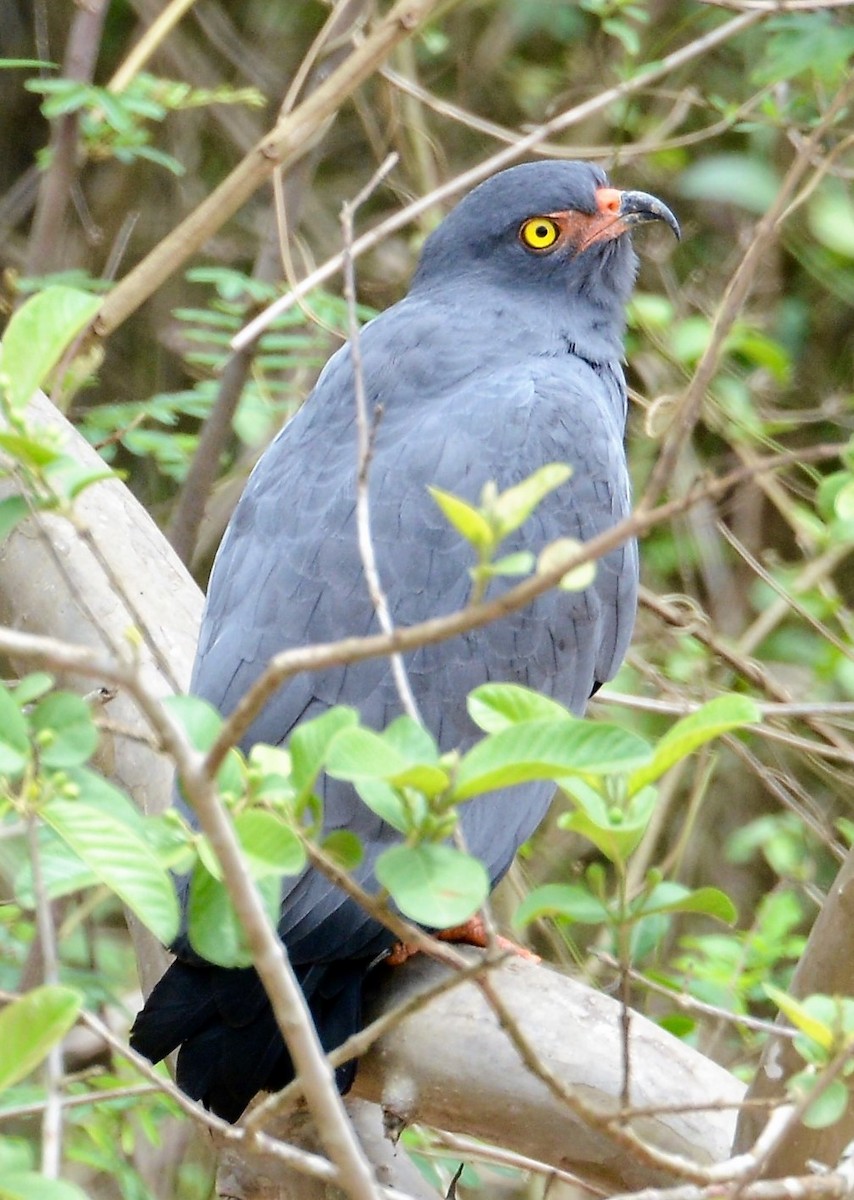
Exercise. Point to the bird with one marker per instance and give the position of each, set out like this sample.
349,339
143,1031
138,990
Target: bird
504,355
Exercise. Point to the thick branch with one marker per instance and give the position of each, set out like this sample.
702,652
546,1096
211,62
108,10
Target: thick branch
51,583
451,1065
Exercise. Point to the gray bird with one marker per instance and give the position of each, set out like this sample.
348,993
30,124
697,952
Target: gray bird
504,355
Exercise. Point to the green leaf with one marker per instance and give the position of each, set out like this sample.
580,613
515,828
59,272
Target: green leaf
467,521
202,723
495,706
14,737
650,311
32,687
511,508
62,869
69,736
62,872
547,749
344,848
831,219
214,930
359,753
119,858
29,450
200,720
827,1108
310,742
270,768
430,780
36,338
687,339
29,1185
415,743
7,64
29,1027
800,43
521,563
271,847
436,885
717,717
673,897
404,812
13,510
810,1025
577,578
566,900
843,503
615,830
69,478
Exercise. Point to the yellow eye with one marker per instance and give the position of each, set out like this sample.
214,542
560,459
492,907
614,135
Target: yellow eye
539,233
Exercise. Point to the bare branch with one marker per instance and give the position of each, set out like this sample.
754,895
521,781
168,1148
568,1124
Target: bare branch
57,181
285,143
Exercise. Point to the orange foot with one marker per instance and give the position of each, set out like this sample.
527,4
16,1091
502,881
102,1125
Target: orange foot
472,933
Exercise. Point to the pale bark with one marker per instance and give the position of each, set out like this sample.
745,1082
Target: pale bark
451,1065
52,583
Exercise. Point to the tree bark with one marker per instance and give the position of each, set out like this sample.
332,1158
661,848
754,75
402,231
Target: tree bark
52,583
825,966
451,1065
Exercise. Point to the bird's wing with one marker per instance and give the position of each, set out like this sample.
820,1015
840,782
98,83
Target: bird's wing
289,572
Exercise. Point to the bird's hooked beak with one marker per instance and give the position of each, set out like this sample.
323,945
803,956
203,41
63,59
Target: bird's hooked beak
618,211
636,208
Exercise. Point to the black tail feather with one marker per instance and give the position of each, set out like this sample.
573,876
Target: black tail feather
230,1045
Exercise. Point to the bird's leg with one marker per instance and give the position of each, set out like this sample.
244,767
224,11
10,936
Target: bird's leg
471,933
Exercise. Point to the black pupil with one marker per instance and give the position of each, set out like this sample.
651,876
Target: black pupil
542,231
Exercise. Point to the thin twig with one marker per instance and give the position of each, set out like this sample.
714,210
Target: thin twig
477,1151
157,33
690,1003
366,429
54,1065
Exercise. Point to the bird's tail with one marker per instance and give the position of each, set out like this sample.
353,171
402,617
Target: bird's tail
230,1047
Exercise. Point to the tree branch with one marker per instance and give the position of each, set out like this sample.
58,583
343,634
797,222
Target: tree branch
451,1065
290,138
35,598
57,181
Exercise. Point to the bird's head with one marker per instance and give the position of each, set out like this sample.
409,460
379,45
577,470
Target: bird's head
553,227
